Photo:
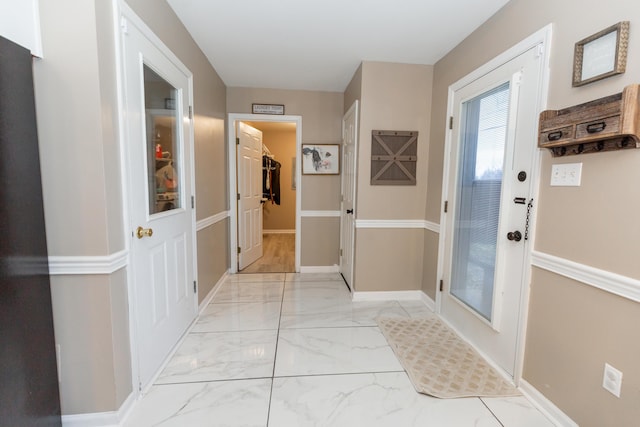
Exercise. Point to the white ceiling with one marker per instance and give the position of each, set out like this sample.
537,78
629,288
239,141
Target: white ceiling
318,44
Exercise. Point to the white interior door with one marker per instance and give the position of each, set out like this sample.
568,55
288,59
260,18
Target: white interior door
250,195
347,215
159,146
492,152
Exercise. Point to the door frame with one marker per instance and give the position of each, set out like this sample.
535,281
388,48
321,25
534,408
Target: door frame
233,179
123,16
355,109
540,38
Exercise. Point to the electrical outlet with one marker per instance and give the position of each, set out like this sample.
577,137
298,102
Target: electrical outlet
612,381
566,175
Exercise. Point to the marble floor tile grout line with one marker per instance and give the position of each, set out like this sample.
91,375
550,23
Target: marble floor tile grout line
492,413
275,355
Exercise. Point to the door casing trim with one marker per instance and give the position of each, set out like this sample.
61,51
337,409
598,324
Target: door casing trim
233,179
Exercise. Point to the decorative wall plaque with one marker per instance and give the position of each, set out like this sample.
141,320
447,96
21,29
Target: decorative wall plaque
394,157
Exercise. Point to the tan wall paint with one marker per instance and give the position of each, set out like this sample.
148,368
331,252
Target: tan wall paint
574,329
430,263
321,123
320,241
213,256
389,259
88,318
353,91
79,149
394,97
583,224
282,145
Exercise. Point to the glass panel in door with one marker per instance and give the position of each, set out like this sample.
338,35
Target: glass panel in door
484,128
163,143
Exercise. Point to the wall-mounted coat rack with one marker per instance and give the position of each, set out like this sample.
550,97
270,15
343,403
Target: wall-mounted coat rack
605,124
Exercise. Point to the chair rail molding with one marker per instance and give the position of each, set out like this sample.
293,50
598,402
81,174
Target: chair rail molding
88,265
617,284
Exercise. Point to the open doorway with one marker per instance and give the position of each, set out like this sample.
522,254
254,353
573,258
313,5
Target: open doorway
266,235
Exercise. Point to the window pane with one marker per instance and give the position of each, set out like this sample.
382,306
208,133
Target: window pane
479,187
163,149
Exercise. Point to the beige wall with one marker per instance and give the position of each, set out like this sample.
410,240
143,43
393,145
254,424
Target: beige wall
393,97
282,144
430,263
353,91
321,123
566,348
76,93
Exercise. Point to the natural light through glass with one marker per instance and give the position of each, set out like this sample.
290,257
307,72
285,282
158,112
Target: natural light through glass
484,124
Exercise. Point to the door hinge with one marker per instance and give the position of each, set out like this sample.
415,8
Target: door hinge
193,202
195,289
140,386
239,249
451,122
237,141
238,196
441,285
190,112
340,252
446,206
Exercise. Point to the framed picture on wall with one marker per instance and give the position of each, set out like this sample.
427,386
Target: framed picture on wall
320,159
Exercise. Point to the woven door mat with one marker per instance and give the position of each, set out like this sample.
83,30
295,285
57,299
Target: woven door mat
439,363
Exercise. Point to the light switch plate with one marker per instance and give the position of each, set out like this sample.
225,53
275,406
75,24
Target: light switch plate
566,175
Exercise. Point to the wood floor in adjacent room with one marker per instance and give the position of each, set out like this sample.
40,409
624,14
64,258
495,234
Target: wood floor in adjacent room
279,252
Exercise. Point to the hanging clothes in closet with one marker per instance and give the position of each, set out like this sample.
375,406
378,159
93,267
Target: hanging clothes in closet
271,179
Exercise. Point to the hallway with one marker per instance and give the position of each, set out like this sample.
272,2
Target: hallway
294,350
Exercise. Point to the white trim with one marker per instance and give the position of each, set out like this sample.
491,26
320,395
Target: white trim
232,174
544,405
388,296
391,223
320,214
88,265
207,300
213,219
320,269
278,231
432,226
431,304
617,284
101,419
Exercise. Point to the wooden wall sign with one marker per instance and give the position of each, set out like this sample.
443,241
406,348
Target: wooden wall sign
394,157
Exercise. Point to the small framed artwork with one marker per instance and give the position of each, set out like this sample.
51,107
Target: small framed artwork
169,104
320,159
601,55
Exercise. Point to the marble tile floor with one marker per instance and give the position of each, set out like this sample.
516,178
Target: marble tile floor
293,350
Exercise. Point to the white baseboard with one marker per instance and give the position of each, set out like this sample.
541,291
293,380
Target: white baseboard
205,302
320,269
278,231
101,419
545,406
431,304
388,296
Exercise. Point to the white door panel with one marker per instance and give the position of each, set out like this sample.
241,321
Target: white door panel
250,191
493,139
347,216
159,144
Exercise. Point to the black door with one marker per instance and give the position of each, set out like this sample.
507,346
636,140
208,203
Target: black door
28,376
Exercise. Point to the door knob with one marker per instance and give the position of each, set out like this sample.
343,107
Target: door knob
349,211
141,232
514,235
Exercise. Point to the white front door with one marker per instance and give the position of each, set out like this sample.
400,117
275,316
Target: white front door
491,160
347,215
159,145
250,195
